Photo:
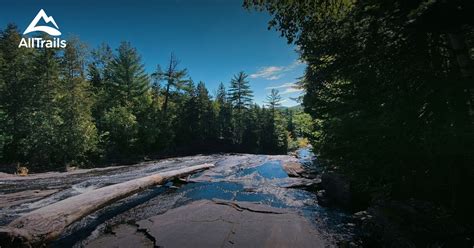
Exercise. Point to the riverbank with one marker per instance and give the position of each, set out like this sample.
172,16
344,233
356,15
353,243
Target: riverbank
259,180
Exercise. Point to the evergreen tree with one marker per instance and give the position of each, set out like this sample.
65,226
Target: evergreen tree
251,131
221,94
188,123
206,123
100,78
122,132
4,135
276,125
290,123
129,80
224,116
42,144
274,100
77,132
17,93
173,77
389,85
99,68
127,94
240,95
55,112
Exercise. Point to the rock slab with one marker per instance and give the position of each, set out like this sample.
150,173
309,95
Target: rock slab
230,224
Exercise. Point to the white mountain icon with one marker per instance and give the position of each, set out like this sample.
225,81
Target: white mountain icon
47,19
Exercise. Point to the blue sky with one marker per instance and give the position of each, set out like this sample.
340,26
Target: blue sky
214,39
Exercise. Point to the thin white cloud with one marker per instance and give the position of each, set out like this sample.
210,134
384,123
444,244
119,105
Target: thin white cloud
268,72
287,88
275,77
275,72
284,85
291,90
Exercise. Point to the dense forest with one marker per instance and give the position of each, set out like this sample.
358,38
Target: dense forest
75,106
389,85
388,105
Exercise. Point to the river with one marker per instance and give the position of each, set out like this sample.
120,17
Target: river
236,177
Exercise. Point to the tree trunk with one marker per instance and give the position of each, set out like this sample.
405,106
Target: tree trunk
47,223
165,103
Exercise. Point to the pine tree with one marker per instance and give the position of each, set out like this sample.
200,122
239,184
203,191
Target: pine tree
221,94
274,100
173,78
4,135
99,69
54,113
240,95
130,82
17,93
43,143
251,134
78,132
290,126
205,113
187,128
121,132
276,125
129,85
224,114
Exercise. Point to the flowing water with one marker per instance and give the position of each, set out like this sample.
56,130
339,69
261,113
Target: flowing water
251,178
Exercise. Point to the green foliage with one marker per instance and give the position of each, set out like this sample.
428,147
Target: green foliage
174,78
389,85
122,130
223,107
303,125
16,97
74,106
77,133
3,118
240,96
129,80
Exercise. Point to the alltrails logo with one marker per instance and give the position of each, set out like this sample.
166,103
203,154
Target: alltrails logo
40,42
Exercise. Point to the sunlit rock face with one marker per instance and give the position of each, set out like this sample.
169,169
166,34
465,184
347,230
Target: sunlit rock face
276,182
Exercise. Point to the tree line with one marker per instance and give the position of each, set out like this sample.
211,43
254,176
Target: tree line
73,106
389,85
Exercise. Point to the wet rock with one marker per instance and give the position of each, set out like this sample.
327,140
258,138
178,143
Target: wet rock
13,199
293,169
122,236
301,183
4,175
237,178
230,224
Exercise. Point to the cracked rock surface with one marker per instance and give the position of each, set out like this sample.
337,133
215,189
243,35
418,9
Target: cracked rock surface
246,200
207,223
